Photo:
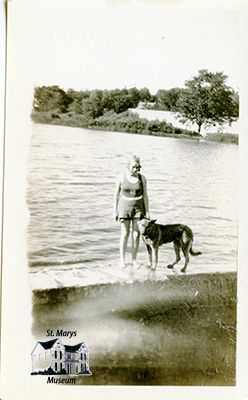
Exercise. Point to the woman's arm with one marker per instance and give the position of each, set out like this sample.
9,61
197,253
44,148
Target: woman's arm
116,197
145,196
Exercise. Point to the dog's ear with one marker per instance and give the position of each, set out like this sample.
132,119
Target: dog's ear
153,221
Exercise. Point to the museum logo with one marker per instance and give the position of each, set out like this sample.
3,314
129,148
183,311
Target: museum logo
53,357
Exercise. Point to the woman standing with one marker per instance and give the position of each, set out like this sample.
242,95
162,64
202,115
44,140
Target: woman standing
130,205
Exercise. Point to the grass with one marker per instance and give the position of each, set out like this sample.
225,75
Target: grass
223,138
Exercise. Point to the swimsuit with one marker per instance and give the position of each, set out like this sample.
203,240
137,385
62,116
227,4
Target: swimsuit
131,204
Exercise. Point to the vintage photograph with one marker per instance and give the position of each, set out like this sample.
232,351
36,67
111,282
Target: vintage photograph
132,192
132,173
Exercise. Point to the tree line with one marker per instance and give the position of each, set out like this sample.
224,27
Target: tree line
205,99
92,103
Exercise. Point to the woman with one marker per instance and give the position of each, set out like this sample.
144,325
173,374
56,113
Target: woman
130,205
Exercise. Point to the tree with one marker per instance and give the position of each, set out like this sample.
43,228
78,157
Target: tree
208,100
77,100
145,94
134,97
167,99
51,98
93,105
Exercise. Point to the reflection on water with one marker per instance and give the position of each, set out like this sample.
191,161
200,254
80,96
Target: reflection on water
71,181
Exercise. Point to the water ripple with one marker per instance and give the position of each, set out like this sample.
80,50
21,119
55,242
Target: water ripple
70,201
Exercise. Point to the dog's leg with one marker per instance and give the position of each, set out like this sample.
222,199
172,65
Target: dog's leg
154,257
185,248
155,247
177,251
149,251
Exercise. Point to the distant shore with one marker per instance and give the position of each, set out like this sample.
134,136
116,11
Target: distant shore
128,122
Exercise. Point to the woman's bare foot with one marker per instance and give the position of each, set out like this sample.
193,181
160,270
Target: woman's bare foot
135,264
122,264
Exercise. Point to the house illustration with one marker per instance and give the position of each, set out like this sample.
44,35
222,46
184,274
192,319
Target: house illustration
60,358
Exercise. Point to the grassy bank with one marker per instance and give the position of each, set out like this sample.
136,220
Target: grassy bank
181,331
223,138
127,122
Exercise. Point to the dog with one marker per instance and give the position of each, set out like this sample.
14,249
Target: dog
154,235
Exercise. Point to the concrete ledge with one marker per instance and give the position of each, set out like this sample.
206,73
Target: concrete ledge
181,331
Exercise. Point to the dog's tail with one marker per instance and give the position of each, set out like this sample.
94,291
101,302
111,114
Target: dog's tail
194,253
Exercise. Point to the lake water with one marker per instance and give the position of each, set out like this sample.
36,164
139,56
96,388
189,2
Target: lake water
72,237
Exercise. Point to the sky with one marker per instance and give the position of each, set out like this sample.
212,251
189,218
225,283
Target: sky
115,44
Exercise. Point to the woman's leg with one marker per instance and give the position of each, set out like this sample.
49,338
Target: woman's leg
135,240
125,229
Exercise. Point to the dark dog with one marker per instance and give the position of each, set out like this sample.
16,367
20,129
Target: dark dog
154,235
